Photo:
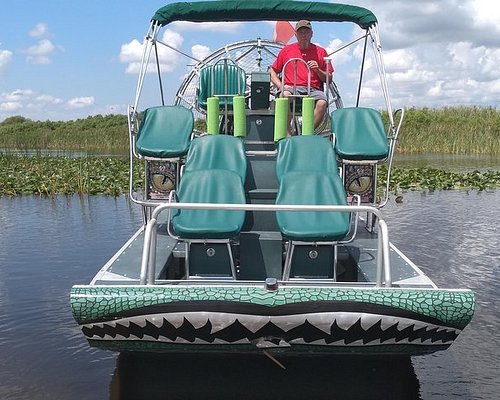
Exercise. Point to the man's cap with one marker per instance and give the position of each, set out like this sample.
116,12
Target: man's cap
303,23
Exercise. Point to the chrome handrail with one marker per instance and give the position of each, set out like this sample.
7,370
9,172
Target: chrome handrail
147,275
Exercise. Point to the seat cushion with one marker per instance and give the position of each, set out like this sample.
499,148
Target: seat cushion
217,152
165,132
305,153
212,186
360,134
312,188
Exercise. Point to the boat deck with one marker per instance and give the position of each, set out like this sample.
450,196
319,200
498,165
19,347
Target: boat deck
259,260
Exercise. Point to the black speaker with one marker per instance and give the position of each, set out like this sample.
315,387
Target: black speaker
260,87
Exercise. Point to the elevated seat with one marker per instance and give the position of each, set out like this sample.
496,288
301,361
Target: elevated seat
307,173
224,80
214,173
362,143
165,132
360,134
162,139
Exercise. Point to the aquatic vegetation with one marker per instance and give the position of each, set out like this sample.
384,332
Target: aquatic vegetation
44,175
449,130
63,175
435,179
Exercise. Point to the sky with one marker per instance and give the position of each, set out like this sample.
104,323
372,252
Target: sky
63,60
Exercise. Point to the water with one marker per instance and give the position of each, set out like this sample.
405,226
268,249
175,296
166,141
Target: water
49,244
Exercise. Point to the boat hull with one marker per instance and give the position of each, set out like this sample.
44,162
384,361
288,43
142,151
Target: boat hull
249,318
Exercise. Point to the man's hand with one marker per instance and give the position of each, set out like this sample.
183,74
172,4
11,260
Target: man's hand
313,64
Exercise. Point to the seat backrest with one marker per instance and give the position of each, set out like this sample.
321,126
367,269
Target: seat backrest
218,80
360,134
223,152
305,154
165,132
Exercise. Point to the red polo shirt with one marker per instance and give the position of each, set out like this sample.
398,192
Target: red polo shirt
314,52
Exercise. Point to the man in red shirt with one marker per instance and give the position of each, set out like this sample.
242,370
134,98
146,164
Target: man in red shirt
314,56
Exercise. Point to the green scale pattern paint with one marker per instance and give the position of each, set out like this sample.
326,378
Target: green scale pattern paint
454,308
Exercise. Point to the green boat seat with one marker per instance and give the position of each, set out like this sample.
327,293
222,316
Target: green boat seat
212,186
360,134
217,152
218,80
312,188
165,132
214,172
307,172
307,154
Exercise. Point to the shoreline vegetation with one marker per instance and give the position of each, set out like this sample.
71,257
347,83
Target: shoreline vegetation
458,130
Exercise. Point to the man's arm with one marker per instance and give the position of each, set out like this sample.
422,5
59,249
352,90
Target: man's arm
319,72
275,79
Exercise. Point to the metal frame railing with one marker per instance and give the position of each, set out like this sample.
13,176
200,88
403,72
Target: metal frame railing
148,262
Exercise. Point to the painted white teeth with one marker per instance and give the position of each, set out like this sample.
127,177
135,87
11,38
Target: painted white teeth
346,320
288,322
368,320
388,322
198,320
255,323
321,321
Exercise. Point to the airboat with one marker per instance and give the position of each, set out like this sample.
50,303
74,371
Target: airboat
252,240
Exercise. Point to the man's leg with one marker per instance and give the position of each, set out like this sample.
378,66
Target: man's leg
321,106
319,112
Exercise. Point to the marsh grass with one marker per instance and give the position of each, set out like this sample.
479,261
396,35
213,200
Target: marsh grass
467,130
94,134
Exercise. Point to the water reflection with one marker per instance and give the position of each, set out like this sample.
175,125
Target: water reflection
229,376
49,244
453,237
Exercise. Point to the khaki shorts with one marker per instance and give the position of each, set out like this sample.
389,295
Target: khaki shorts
302,90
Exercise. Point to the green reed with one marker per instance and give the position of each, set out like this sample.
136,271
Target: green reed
468,130
95,134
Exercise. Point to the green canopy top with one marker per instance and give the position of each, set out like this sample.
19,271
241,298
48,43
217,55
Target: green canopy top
258,10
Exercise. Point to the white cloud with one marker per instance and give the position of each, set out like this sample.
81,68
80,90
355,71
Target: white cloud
200,51
17,95
436,53
14,101
5,59
131,53
10,106
39,30
80,102
41,106
40,53
48,100
486,15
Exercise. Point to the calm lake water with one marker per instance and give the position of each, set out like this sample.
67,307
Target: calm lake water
49,244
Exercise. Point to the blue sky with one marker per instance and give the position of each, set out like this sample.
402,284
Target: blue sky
62,59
